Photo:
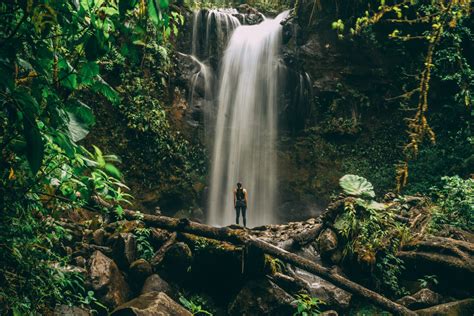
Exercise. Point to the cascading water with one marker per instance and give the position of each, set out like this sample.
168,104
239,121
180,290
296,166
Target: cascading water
246,124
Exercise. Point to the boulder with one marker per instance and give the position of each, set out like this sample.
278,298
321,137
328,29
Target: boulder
107,280
151,304
154,283
176,260
139,270
327,242
99,236
124,249
421,299
261,297
329,313
64,310
457,308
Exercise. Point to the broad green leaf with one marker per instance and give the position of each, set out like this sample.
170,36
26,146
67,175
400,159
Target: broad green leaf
154,12
34,142
356,186
164,4
77,130
88,71
64,142
113,171
106,90
70,81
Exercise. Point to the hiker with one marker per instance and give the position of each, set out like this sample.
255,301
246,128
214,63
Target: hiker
240,203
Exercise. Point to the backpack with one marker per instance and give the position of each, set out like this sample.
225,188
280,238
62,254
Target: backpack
240,195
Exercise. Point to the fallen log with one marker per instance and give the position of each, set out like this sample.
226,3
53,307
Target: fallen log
242,238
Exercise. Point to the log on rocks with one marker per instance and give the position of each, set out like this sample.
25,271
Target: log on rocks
241,237
306,237
158,256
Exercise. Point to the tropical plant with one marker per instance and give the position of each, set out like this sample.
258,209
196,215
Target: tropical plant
307,305
144,248
371,235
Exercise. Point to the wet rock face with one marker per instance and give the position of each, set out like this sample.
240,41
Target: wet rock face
151,304
261,297
107,280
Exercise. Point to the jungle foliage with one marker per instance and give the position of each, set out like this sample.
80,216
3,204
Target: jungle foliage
437,35
51,55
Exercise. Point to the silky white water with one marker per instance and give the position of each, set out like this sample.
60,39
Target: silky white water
246,124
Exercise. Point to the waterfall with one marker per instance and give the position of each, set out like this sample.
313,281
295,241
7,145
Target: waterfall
246,124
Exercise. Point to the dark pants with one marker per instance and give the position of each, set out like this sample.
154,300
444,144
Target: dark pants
238,209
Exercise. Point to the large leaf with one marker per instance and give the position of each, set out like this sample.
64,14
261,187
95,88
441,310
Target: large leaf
65,143
154,11
106,90
77,130
34,142
357,186
88,71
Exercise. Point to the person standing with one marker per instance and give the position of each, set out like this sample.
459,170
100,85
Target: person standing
240,203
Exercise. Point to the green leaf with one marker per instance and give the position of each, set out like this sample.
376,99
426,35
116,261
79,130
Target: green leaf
64,142
113,171
77,130
164,4
356,186
154,12
88,71
106,90
35,145
82,112
70,81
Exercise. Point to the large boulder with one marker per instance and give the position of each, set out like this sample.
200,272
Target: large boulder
139,270
457,308
421,299
261,297
154,283
107,280
151,304
176,261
